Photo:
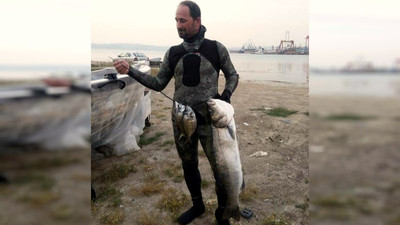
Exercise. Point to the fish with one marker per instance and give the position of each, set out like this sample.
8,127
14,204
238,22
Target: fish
174,109
189,124
185,120
179,116
227,156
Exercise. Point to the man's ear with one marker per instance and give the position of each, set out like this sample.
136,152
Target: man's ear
198,20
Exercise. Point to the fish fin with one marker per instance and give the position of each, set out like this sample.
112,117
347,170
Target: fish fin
243,186
180,137
234,213
231,132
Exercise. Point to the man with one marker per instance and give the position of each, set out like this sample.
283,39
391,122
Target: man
195,65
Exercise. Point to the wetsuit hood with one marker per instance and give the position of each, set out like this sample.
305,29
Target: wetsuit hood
198,36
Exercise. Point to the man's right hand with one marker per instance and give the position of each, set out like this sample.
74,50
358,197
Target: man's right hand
121,66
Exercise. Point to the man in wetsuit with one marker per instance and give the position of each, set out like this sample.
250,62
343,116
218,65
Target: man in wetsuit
195,65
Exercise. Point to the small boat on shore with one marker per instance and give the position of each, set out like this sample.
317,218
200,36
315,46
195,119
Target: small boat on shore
50,117
120,106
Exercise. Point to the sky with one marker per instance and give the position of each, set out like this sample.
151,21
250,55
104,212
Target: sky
61,31
45,32
232,23
354,30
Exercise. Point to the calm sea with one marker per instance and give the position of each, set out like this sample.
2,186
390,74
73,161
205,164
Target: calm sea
350,84
283,68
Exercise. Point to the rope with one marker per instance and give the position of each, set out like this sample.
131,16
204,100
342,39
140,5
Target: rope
131,71
167,96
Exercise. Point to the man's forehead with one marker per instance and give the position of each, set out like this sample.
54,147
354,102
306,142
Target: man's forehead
182,11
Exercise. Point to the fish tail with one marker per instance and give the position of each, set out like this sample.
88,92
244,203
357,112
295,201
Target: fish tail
231,212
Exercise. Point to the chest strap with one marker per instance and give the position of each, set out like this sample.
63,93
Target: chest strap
208,49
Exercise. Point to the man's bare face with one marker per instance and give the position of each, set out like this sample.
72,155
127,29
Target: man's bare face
185,24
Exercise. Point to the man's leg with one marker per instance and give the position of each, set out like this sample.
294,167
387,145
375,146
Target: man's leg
193,182
189,155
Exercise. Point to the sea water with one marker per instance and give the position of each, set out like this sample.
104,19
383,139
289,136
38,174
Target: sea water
355,84
255,67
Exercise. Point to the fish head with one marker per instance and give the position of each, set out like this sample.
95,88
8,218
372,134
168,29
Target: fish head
180,108
174,110
221,112
179,114
214,109
176,105
192,115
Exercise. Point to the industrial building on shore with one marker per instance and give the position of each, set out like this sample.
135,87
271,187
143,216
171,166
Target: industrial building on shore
286,47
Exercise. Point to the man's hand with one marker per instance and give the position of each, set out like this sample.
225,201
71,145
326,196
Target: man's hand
226,96
121,66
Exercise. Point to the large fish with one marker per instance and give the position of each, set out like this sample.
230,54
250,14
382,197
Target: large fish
227,156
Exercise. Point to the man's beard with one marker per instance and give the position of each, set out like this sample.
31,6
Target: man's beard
182,33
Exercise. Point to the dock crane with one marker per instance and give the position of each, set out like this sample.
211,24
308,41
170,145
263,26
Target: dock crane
307,47
249,47
286,44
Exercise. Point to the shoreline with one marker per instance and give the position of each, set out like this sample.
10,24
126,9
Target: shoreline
272,82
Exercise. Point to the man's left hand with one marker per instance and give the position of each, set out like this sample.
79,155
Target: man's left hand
226,96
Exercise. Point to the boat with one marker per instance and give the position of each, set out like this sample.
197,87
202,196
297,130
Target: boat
120,106
53,115
259,51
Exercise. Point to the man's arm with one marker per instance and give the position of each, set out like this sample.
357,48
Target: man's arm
231,76
157,83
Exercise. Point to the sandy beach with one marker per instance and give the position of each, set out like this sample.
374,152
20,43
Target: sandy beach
45,188
354,160
147,186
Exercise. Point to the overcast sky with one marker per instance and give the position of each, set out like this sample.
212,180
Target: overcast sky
232,23
60,31
45,32
353,30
